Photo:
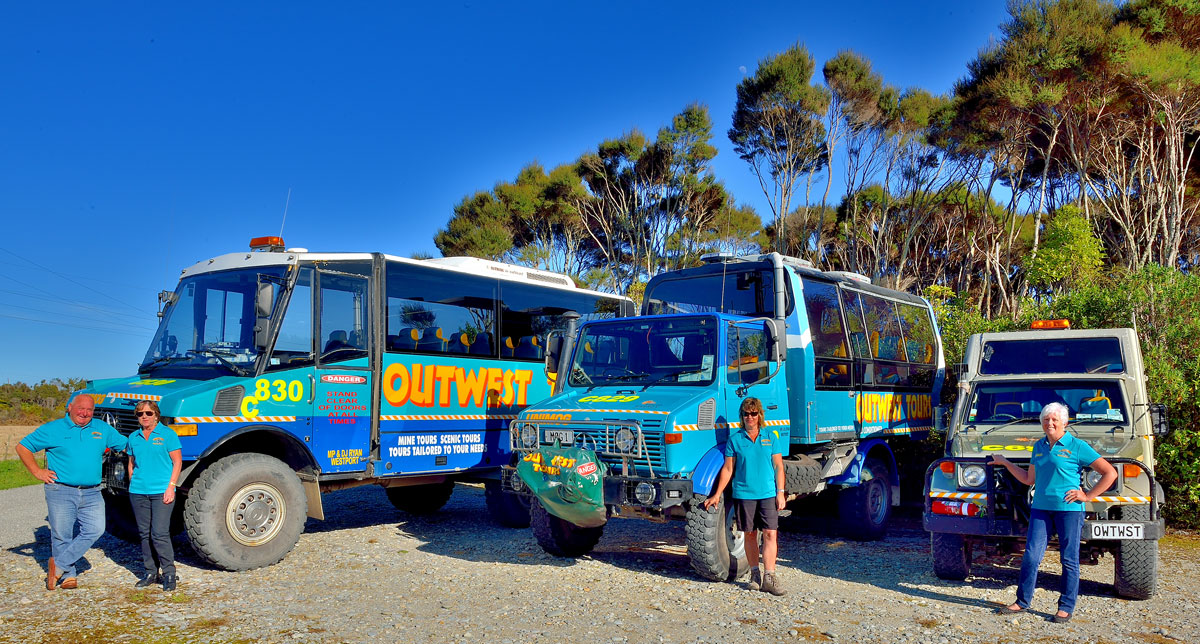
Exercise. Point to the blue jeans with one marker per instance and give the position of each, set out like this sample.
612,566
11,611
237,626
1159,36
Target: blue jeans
1068,525
66,507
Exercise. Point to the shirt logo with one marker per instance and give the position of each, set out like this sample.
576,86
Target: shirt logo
157,440
1064,453
97,435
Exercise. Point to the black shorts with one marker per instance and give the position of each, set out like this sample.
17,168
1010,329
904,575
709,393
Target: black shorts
756,514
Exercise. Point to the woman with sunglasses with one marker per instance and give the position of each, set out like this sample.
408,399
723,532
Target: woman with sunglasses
154,463
754,462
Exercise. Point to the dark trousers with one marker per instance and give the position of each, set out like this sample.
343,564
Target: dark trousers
154,527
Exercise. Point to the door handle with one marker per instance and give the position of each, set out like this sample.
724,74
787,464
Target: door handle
312,389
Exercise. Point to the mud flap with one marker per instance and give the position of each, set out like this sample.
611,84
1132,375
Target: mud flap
569,482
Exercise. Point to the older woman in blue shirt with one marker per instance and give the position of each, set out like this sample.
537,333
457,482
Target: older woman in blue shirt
154,464
1058,501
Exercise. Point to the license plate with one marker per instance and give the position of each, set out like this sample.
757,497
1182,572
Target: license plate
1106,530
564,436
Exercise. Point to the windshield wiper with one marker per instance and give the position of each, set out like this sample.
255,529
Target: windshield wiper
146,366
238,369
1011,422
676,374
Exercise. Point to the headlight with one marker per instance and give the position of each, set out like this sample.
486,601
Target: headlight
644,492
625,440
972,476
529,436
1092,477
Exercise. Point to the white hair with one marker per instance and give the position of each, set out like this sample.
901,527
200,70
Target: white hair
1056,408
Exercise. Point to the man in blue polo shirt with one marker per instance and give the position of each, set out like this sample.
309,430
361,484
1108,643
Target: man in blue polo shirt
75,447
754,461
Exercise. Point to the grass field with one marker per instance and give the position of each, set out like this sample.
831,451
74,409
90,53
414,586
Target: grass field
13,474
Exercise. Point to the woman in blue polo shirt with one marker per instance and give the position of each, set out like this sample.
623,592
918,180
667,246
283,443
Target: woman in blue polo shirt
154,463
1054,471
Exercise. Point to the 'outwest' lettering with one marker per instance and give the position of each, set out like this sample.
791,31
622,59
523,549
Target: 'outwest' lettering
430,385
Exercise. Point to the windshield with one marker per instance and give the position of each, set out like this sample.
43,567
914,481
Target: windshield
679,351
1052,355
1089,401
749,293
209,328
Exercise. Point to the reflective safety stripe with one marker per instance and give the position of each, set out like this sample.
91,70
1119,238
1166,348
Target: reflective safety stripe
1122,499
234,419
134,396
693,427
957,495
449,417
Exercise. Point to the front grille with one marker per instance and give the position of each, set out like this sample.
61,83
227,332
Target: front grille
651,433
122,419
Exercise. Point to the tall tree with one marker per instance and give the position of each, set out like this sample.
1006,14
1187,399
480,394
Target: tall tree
778,127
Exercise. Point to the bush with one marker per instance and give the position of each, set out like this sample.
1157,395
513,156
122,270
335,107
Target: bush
22,404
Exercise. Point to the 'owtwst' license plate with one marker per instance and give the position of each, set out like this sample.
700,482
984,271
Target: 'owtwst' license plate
564,436
1116,530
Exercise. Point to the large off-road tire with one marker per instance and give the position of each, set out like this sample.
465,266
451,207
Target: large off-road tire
801,475
951,556
559,537
864,509
421,499
507,509
1136,570
118,517
716,548
245,511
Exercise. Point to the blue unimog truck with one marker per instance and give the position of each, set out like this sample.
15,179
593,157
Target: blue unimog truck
288,373
644,405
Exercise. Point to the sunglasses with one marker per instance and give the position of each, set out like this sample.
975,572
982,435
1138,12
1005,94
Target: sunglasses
750,413
143,413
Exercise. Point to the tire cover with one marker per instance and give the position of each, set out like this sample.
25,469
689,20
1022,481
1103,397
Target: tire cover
569,482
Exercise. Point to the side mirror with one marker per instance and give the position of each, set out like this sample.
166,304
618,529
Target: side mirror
264,300
554,344
777,338
165,299
1158,420
941,414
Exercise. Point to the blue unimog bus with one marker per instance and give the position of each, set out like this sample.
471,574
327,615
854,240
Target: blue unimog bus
644,405
288,373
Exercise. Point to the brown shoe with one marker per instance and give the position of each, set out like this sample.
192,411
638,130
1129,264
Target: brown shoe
70,583
51,575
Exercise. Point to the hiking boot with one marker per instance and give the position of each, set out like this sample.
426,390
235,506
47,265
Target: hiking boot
146,580
770,584
169,582
755,579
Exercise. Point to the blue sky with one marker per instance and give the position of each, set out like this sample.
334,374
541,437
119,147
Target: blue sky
139,138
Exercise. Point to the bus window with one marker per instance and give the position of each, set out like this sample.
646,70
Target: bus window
294,346
750,293
919,340
425,315
529,312
344,317
830,350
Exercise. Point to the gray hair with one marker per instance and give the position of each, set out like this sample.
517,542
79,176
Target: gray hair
1056,408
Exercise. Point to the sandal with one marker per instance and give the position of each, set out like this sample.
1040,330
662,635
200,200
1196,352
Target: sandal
1009,610
1059,619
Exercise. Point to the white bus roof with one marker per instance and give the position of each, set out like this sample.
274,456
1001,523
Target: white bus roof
468,265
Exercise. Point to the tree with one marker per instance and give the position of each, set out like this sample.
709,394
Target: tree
778,129
1071,254
479,228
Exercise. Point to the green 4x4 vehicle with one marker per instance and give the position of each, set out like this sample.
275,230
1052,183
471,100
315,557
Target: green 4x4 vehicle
972,505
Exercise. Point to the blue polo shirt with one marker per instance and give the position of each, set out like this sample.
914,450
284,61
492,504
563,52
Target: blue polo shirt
152,459
74,453
753,472
1057,471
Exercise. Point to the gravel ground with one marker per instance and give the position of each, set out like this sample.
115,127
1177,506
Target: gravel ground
369,573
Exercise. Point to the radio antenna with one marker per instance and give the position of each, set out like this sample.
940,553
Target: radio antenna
286,203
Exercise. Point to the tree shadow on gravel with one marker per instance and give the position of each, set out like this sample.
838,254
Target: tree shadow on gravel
901,563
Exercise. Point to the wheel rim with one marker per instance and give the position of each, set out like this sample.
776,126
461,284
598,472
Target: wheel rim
255,514
734,538
876,501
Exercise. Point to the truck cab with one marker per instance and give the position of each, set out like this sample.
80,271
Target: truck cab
1008,378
